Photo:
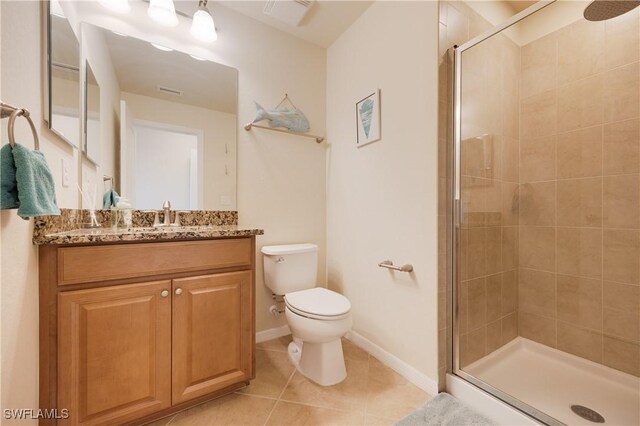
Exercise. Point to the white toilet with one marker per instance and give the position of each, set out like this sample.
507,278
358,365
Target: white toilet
317,317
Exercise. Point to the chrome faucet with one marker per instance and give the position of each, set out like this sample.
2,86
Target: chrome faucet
166,220
167,213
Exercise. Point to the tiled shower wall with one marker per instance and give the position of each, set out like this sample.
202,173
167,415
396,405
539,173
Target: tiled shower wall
569,186
579,201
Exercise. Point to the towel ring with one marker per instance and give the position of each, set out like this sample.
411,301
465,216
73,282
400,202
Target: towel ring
12,119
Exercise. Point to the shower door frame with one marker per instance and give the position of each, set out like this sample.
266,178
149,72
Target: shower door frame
458,211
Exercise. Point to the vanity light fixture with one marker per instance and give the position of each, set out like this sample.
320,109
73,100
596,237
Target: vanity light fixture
163,12
203,27
120,6
161,47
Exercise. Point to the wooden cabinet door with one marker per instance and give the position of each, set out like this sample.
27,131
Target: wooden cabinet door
114,352
212,333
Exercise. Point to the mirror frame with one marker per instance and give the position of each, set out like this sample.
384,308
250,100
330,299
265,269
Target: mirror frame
45,15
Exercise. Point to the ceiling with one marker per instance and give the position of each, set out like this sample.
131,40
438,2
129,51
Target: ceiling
323,24
325,21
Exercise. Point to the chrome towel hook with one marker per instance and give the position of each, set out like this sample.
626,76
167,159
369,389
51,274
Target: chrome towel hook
12,112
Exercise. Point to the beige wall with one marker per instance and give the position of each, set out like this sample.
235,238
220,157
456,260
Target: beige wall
281,178
580,191
219,129
21,86
382,196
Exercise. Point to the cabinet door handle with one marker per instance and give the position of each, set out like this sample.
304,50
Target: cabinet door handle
164,293
178,291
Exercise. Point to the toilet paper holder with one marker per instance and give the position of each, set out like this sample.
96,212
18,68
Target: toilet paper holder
389,265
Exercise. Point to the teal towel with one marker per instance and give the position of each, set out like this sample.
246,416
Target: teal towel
36,191
8,184
110,199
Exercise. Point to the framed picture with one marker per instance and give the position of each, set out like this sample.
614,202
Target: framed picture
368,119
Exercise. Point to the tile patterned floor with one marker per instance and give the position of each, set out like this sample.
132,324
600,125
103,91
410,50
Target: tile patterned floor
372,394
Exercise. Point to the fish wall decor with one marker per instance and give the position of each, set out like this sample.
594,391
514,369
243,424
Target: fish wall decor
293,120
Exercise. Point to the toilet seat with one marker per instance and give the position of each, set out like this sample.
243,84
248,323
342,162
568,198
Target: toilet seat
318,303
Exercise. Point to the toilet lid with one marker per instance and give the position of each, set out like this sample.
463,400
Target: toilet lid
318,301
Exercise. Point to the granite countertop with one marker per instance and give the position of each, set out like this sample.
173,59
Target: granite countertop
67,227
102,235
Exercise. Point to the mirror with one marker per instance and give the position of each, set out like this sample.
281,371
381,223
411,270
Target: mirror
92,116
63,77
177,120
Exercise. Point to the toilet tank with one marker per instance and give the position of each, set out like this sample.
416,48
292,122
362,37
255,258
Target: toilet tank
289,268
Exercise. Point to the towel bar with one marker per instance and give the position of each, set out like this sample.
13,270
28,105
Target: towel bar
12,112
249,126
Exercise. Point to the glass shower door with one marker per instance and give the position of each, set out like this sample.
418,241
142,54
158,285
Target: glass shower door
547,214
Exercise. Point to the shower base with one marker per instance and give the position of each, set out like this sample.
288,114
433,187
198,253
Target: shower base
552,381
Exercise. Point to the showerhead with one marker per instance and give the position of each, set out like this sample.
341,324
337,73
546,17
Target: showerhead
601,10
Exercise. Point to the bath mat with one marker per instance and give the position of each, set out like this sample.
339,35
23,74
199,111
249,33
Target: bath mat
444,410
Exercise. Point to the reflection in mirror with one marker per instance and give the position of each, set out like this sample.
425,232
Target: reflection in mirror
63,113
92,116
177,117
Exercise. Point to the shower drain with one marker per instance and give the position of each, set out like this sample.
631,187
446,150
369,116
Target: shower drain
587,413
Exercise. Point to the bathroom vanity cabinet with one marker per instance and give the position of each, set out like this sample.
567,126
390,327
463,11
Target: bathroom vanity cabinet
131,332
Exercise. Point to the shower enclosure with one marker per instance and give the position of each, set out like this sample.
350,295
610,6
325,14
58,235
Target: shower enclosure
545,209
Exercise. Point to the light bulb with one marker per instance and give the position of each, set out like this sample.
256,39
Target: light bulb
163,12
120,6
203,27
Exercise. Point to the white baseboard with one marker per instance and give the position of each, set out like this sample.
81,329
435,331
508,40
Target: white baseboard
272,333
405,370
